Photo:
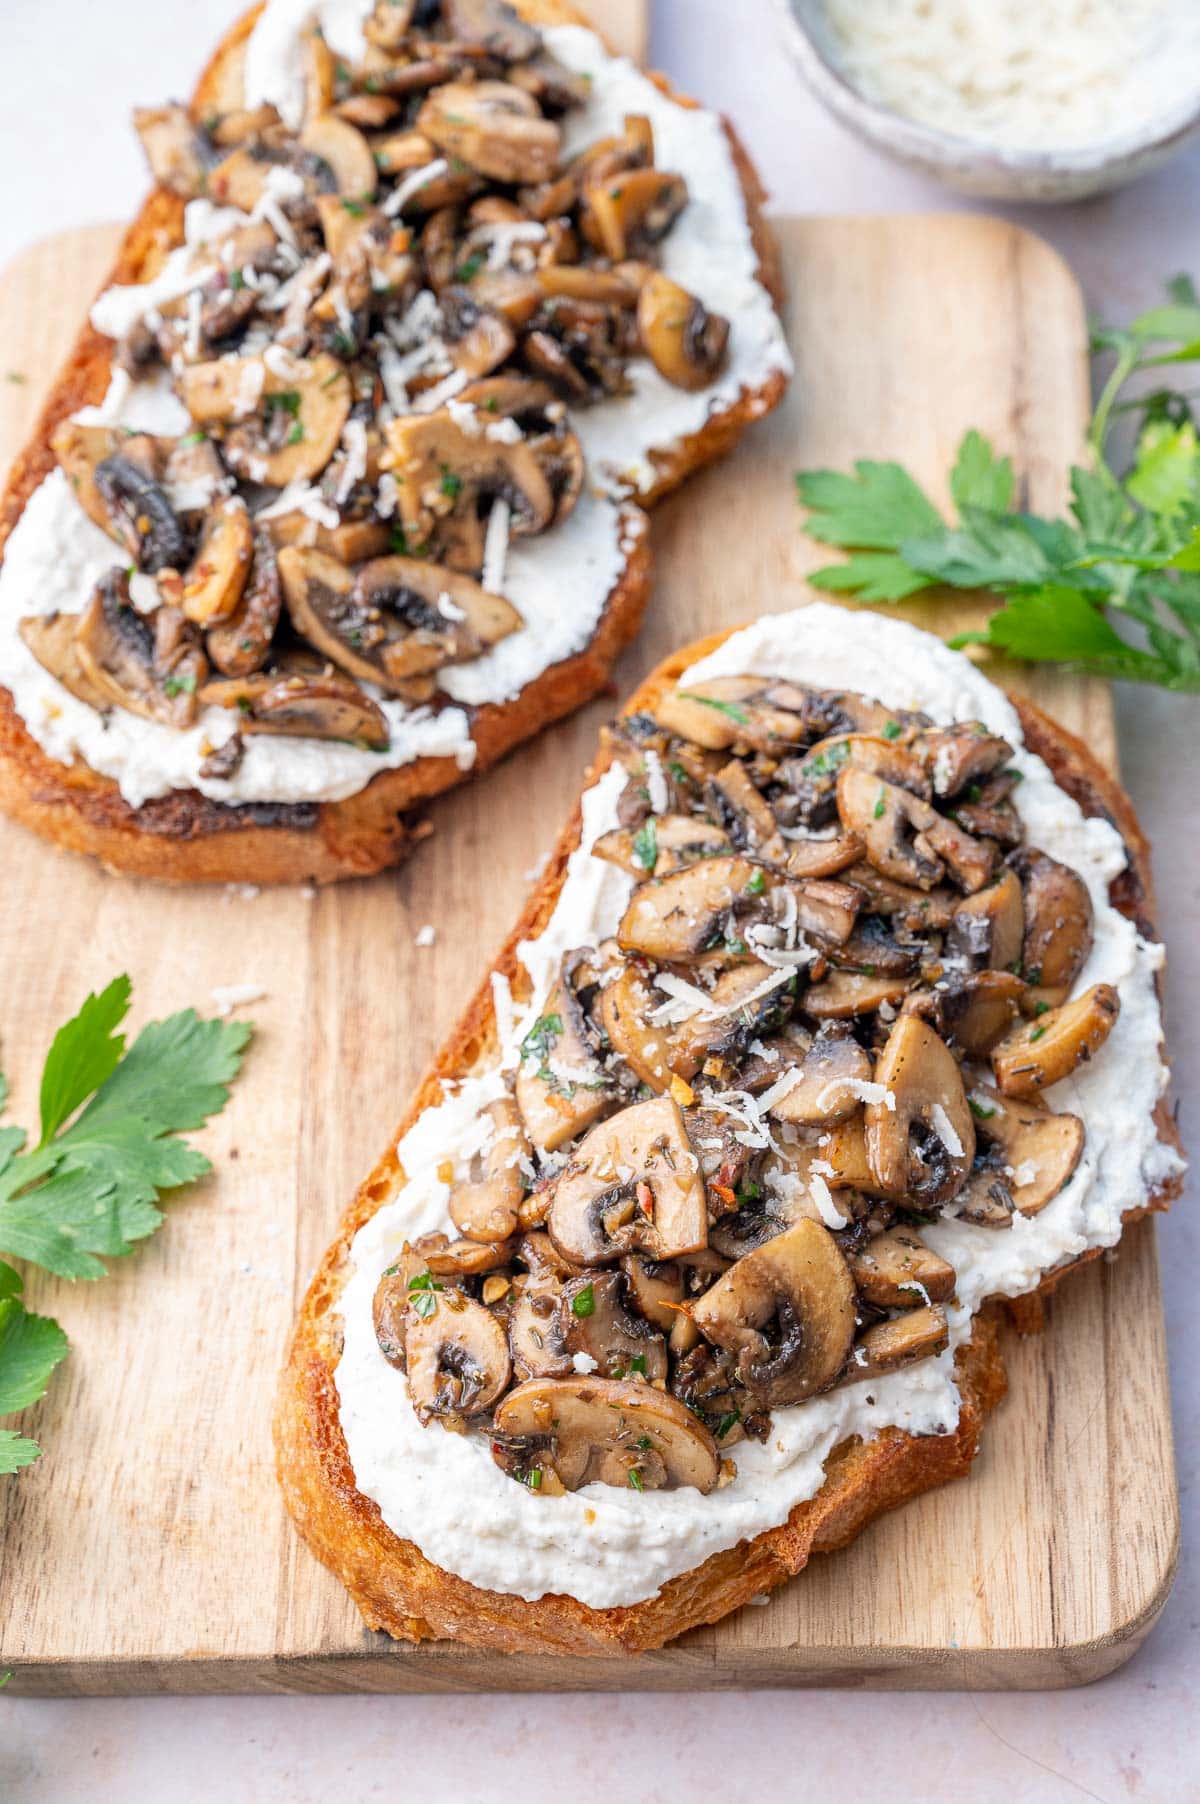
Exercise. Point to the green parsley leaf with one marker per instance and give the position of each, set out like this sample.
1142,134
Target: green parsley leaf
30,1348
892,729
540,1042
645,845
469,268
871,576
635,1479
757,883
89,1189
980,478
876,509
583,1303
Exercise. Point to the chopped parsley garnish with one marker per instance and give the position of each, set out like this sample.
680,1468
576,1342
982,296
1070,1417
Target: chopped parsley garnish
635,1479
727,1422
470,267
1036,1034
892,729
757,883
979,1109
823,764
638,1364
184,685
355,208
237,280
286,401
539,1042
645,845
711,701
421,1289
583,1303
877,812
451,483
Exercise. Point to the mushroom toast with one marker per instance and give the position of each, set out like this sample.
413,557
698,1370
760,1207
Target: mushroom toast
835,1016
342,493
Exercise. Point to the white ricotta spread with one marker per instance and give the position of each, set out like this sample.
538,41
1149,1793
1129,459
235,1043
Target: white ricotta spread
1062,75
611,1547
559,582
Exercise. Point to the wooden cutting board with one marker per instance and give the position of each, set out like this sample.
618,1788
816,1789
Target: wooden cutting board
148,1549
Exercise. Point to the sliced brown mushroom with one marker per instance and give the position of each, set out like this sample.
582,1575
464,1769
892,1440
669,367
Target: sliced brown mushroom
633,1184
535,1327
1025,1156
627,214
491,25
179,157
744,1002
921,1138
485,1208
823,857
393,619
447,478
888,1346
561,1087
970,1013
148,666
598,1328
745,813
116,477
674,841
809,783
1058,925
787,1311
615,1431
345,152
726,711
846,993
916,911
212,586
623,1010
960,755
493,127
691,910
51,639
655,1289
826,1084
242,643
905,838
1043,1051
299,407
456,1355
988,927
685,342
301,697
468,1258
896,1270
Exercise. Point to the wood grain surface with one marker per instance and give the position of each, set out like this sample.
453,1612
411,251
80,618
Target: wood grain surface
148,1549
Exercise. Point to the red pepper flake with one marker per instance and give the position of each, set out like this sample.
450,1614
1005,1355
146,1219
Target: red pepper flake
645,1197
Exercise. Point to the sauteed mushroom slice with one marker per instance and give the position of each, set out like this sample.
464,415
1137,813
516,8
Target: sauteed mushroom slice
613,1430
921,1137
491,25
988,927
626,215
345,152
916,911
809,783
633,1184
561,1087
623,1011
448,477
139,513
896,1270
744,1002
493,127
304,698
148,666
300,406
892,824
655,1289
469,1258
685,913
535,1327
973,1012
826,1085
1057,924
1043,1051
823,857
1025,1156
787,1311
745,813
685,342
79,449
51,639
395,618
844,994
888,1346
959,755
485,1208
242,643
178,154
725,711
456,1356
212,586
670,843
597,1325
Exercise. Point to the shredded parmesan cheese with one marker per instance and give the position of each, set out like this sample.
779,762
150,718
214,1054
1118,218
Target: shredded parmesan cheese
1059,75
943,1127
495,546
412,184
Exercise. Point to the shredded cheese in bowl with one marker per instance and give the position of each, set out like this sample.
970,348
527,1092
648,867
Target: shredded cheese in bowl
1058,75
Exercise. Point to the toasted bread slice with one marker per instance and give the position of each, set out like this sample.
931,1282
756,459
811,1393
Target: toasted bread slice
184,836
401,1591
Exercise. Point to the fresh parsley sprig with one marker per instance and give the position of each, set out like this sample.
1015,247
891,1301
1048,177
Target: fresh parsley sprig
108,1150
1128,551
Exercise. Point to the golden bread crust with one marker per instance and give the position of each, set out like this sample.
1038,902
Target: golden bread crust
183,836
397,1588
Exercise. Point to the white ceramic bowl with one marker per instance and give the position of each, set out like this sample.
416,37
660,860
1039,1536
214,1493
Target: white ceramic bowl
991,172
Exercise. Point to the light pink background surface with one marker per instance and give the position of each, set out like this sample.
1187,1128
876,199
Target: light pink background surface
72,71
